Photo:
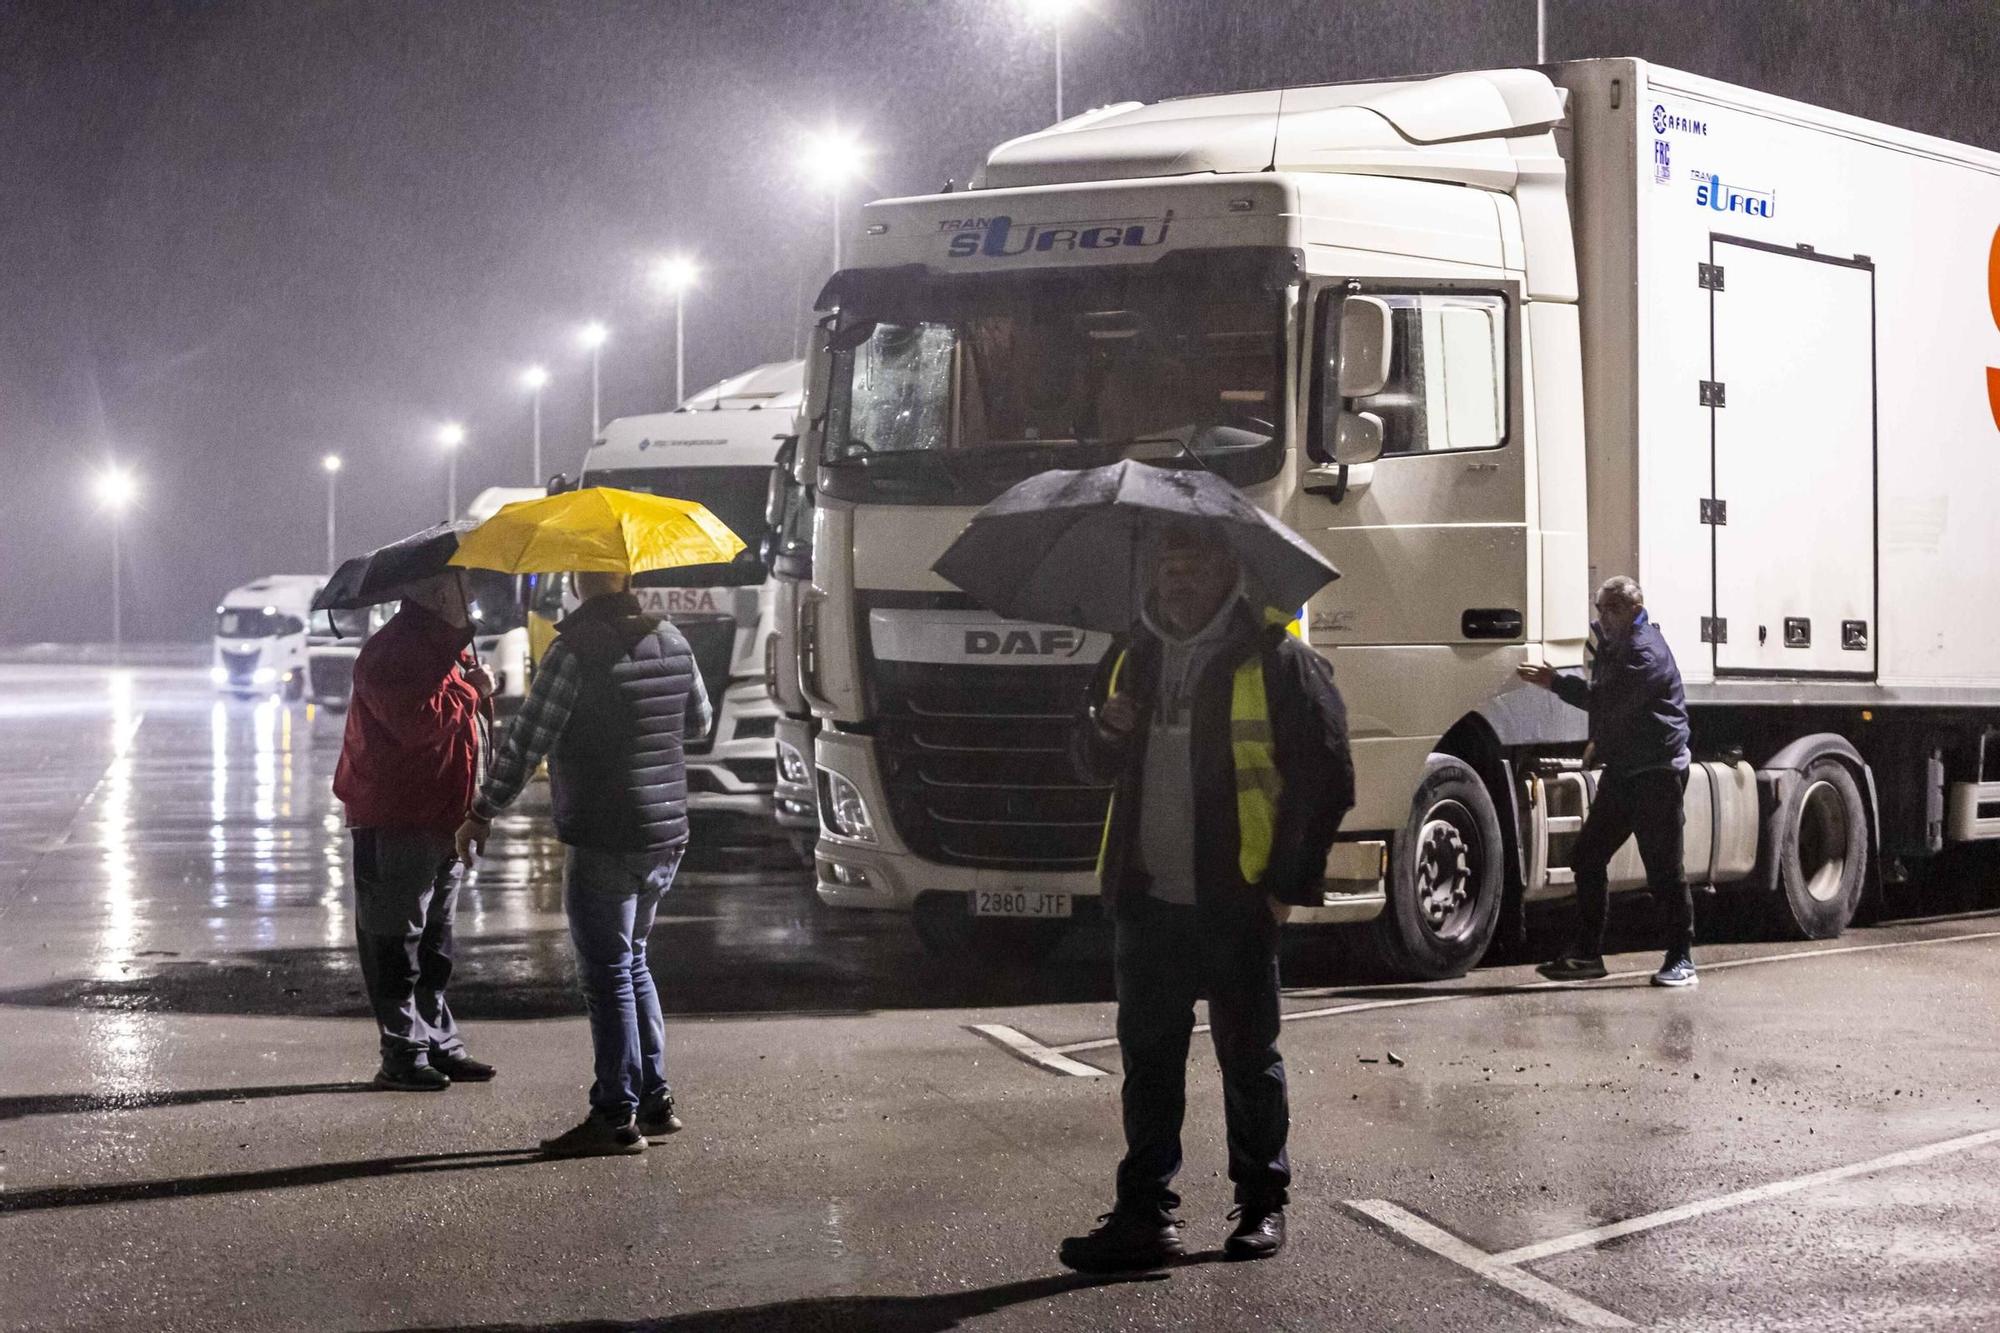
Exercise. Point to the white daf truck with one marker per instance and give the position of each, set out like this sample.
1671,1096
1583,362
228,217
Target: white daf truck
718,448
1486,339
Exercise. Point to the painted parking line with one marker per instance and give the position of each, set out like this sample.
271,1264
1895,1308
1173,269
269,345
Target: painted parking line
1475,1260
1027,1048
1503,1269
1052,1058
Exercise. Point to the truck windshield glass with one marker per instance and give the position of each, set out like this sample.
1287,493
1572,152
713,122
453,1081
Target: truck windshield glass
735,495
967,382
249,622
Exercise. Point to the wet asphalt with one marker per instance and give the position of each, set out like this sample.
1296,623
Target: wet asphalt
187,1139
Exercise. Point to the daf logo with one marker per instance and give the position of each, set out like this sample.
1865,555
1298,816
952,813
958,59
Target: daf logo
1023,643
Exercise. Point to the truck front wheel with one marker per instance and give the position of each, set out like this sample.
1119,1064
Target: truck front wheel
1445,877
1816,839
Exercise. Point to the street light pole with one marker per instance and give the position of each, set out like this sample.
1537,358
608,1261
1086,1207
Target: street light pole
1541,32
332,465
451,435
1059,114
115,489
835,157
592,336
680,347
536,378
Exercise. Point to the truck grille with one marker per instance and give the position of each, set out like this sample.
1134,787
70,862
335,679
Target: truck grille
976,760
713,639
240,666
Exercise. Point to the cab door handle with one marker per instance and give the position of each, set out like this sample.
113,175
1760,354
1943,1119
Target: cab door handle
1502,622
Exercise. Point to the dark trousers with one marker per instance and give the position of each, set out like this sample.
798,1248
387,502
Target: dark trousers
1168,956
405,906
1647,806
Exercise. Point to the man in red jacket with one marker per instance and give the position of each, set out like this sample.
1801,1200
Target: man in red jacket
409,762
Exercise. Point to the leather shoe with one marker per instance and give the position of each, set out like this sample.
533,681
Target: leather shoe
1124,1242
462,1068
1259,1234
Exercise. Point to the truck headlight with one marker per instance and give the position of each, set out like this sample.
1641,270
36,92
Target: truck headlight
264,675
846,812
218,675
792,765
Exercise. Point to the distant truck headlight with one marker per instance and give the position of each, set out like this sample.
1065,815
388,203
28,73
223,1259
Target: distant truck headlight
264,675
792,765
218,675
846,812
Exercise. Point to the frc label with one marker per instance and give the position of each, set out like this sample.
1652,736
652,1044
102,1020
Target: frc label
976,637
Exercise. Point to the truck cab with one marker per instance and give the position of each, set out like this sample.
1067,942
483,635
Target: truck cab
789,514
499,605
260,636
1389,312
718,448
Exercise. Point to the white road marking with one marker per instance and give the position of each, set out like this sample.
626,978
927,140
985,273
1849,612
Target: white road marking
1504,1268
1470,1257
1528,1254
1021,1044
1529,987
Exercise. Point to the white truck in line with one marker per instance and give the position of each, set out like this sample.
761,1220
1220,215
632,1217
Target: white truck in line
719,448
1485,339
499,606
788,515
260,636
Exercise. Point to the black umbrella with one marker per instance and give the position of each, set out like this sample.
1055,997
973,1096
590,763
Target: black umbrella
1068,547
382,574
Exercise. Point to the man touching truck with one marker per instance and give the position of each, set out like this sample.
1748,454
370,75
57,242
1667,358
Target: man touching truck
1639,731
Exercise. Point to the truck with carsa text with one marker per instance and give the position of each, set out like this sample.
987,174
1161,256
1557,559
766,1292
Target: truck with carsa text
1485,339
719,448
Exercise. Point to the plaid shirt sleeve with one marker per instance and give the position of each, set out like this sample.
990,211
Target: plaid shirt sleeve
544,714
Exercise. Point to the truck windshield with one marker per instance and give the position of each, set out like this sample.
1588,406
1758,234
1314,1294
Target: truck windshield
963,385
249,622
733,494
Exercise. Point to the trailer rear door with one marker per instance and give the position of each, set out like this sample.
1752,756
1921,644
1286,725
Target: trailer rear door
1792,412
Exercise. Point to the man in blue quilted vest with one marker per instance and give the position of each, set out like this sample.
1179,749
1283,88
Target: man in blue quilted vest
610,708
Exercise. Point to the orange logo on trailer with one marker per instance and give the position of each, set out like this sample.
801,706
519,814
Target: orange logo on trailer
1993,300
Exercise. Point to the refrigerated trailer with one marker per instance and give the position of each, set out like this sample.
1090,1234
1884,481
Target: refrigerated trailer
1486,339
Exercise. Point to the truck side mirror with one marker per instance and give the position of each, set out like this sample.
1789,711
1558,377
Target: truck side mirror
1365,343
1357,438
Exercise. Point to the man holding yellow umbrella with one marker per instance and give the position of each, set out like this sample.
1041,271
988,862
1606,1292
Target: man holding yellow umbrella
609,709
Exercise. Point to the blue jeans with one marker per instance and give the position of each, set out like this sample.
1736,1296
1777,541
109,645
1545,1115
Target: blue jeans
611,900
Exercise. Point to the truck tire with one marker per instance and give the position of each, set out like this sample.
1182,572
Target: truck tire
1445,877
952,935
1816,842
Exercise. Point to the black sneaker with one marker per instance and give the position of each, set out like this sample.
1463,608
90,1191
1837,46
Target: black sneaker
657,1119
462,1068
1126,1241
1259,1234
414,1078
1572,967
1678,970
596,1137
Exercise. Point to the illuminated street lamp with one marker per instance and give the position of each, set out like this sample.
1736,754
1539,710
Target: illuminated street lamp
593,336
1053,12
331,464
835,157
451,436
674,275
535,379
115,490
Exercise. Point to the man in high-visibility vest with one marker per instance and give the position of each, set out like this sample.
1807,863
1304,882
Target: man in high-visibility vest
1226,745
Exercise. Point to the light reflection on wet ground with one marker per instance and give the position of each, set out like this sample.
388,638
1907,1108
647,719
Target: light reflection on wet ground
195,844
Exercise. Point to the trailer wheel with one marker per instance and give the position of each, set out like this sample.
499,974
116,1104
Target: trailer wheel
1817,839
1445,878
951,935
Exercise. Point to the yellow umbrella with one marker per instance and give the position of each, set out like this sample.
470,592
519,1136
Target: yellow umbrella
598,529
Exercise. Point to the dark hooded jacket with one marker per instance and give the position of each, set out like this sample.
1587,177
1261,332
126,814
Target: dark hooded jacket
1309,739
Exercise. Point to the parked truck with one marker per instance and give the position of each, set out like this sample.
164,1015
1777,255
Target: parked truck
1485,339
788,514
260,636
718,448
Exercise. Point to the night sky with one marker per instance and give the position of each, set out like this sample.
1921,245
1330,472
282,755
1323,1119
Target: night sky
241,235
